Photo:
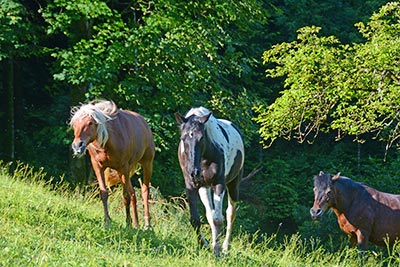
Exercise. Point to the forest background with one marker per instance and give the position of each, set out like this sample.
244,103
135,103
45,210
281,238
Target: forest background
313,85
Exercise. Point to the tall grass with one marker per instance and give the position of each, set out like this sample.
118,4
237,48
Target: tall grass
42,224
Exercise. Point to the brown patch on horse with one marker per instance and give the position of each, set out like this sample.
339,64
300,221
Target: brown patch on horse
364,213
118,140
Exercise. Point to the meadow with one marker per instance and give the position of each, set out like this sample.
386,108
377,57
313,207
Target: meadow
43,223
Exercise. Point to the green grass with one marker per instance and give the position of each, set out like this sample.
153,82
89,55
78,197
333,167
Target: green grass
46,225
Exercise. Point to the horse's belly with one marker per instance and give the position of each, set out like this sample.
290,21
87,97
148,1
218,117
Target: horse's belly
384,235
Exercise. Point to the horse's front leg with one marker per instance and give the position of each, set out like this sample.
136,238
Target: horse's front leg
99,171
205,196
219,192
362,239
191,194
147,173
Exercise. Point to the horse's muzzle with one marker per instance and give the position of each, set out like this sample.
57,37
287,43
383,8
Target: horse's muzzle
316,214
196,174
79,148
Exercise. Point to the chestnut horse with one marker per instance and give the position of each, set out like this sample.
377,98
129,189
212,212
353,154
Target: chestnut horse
363,212
211,155
117,140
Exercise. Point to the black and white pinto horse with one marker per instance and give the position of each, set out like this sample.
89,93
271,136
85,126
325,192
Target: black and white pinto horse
211,155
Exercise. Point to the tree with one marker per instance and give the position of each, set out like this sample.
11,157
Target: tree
335,17
161,57
349,89
19,37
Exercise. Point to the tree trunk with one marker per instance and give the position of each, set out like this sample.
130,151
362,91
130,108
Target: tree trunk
80,168
10,112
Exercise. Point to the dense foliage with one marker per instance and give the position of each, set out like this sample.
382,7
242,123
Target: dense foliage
350,89
326,80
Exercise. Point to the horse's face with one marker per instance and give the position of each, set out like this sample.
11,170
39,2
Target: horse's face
323,194
192,145
85,131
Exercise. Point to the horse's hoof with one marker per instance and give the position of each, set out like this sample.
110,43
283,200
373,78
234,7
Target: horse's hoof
148,227
217,250
203,241
107,223
225,247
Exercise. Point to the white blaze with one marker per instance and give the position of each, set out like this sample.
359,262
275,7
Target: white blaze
182,145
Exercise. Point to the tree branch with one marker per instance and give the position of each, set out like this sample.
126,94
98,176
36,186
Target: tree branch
252,173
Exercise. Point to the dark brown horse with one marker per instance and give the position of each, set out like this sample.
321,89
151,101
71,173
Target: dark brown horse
364,213
117,140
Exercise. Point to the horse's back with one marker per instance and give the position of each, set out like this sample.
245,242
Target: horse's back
137,124
134,136
386,199
386,208
232,145
234,138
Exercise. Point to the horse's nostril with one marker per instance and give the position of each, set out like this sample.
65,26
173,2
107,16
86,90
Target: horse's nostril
195,174
79,147
316,213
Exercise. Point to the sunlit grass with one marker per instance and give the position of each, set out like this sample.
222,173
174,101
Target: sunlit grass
42,224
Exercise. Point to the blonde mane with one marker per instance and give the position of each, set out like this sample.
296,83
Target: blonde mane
100,111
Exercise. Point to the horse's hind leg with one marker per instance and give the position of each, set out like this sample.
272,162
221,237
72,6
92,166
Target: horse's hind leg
126,199
233,197
129,199
230,218
147,166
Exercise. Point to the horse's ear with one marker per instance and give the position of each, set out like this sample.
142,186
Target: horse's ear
205,118
334,178
179,118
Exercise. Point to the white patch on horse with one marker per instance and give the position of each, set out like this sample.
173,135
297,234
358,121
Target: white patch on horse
182,147
218,206
229,148
205,197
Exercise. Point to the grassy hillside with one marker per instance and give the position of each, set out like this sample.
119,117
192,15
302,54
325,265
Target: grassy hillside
46,225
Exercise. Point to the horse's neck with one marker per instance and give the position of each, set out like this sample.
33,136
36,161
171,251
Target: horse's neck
345,193
212,152
96,146
111,136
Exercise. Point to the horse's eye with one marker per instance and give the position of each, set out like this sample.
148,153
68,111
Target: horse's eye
90,123
328,195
